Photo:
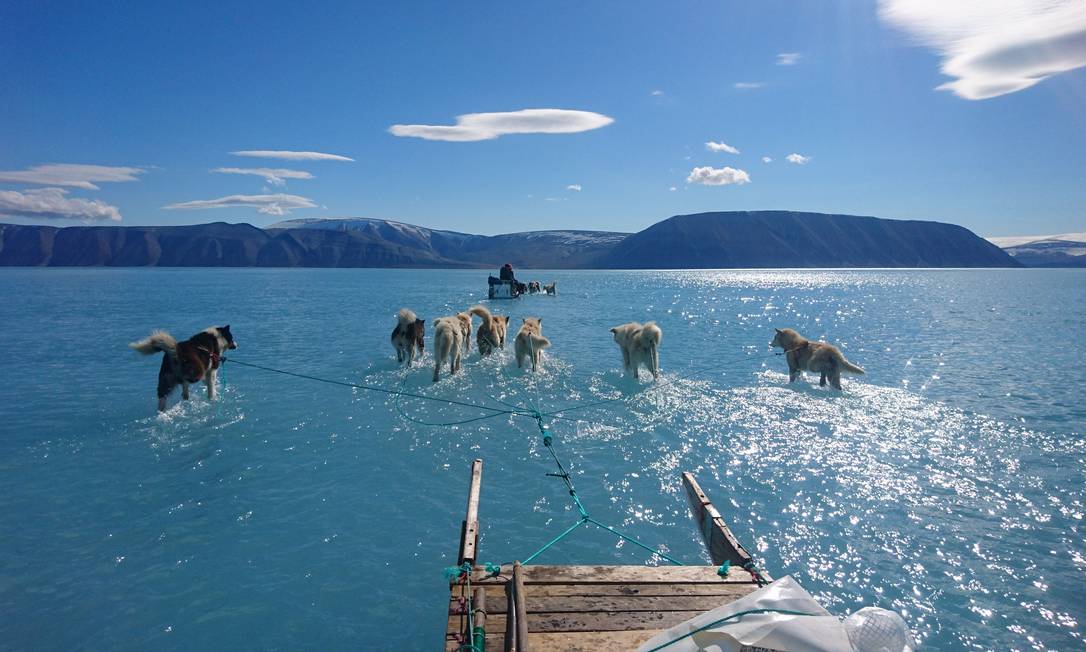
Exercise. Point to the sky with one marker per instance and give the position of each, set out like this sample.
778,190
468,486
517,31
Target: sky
494,117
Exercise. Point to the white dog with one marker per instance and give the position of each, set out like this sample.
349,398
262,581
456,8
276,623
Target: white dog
448,343
530,341
640,344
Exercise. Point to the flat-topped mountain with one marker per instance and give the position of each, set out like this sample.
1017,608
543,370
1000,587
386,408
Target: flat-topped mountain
768,239
707,240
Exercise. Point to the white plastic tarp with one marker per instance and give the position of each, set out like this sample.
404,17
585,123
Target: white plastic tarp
761,632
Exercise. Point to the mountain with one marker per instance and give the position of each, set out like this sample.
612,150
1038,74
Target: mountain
1068,250
531,249
732,239
767,239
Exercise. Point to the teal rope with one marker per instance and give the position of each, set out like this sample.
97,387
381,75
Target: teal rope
370,388
786,612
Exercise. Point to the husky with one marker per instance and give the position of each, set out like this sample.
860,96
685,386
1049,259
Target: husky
491,333
640,344
184,363
551,288
530,342
533,287
805,355
408,337
448,343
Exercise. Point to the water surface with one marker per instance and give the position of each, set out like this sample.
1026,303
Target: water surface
947,484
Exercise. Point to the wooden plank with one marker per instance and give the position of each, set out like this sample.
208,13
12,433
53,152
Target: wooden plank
497,591
613,575
520,606
469,529
478,606
593,603
571,641
719,540
616,621
510,642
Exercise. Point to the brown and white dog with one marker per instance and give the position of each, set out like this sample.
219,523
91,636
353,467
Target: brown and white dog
551,288
448,343
533,287
530,341
491,333
640,344
184,363
408,336
819,357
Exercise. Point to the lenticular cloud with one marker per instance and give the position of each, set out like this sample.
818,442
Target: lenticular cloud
995,47
488,126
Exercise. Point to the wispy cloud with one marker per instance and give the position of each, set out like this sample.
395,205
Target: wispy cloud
709,176
288,155
72,175
748,85
54,204
995,47
657,93
274,176
720,147
798,159
788,58
766,159
487,126
274,204
575,187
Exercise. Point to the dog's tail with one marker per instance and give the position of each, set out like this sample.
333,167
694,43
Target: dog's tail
538,341
158,341
405,317
482,313
847,366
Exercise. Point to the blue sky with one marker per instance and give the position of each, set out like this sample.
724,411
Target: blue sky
169,90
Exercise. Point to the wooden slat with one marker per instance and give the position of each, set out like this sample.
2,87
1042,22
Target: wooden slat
519,604
593,603
735,589
469,530
615,621
571,641
719,540
613,575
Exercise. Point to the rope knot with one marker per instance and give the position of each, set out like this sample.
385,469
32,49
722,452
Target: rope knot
724,568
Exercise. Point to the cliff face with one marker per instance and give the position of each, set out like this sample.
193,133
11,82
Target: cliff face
708,240
766,239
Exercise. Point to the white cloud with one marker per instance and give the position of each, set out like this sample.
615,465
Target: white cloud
274,204
288,155
672,189
487,126
575,187
274,176
748,85
73,175
788,58
725,176
53,204
766,159
995,47
657,93
720,147
798,159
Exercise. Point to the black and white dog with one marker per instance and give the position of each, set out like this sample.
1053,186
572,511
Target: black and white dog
184,363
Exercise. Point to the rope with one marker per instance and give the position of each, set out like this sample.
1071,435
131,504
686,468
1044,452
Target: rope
721,621
371,388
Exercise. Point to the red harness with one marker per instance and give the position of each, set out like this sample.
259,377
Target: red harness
215,356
